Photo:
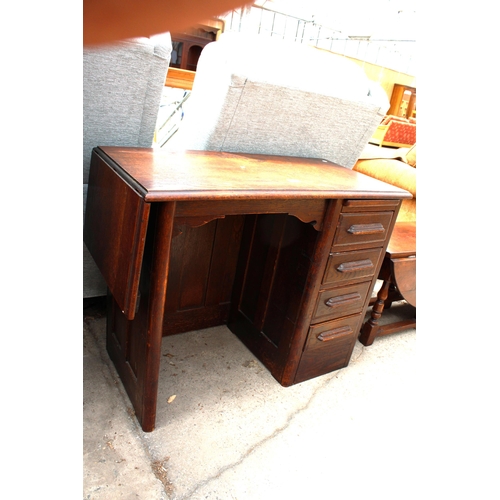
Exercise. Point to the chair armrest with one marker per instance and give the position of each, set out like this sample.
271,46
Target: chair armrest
394,172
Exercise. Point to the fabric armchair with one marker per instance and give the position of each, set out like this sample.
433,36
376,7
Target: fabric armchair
122,88
396,131
397,167
256,94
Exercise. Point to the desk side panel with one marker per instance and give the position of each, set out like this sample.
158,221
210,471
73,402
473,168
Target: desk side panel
115,228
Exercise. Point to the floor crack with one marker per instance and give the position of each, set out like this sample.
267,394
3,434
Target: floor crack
161,473
263,441
359,354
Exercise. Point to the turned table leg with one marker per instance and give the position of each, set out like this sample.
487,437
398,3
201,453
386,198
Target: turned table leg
370,329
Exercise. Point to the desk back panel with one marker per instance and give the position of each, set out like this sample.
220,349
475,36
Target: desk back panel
201,274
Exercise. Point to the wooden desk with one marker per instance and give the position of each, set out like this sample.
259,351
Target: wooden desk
284,250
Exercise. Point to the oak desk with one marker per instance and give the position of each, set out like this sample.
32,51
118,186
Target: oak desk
284,250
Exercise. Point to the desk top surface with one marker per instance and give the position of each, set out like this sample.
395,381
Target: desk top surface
194,175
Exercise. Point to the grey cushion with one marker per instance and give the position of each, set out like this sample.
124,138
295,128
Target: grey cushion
122,87
259,95
93,282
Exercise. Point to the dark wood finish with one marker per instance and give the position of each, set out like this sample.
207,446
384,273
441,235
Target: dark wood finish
347,266
307,210
339,302
329,347
203,265
364,205
277,339
116,221
135,345
398,273
285,250
215,176
367,229
403,242
353,292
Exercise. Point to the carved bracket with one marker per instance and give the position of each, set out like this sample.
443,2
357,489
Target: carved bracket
307,211
193,222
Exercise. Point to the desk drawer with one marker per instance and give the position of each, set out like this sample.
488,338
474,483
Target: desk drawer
362,228
337,302
346,266
328,347
332,333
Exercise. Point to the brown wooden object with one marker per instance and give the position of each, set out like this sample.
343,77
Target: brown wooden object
398,273
403,101
283,250
180,78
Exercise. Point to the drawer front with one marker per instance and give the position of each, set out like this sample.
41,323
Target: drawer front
364,228
351,265
328,347
357,206
337,302
332,333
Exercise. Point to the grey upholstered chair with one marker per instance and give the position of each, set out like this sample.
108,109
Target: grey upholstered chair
122,88
256,94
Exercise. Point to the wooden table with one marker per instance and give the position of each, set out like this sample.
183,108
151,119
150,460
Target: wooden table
283,250
398,273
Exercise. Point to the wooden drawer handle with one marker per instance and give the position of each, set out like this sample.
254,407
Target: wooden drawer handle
335,333
342,300
359,229
357,265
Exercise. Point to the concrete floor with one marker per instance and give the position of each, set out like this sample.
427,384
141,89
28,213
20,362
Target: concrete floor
232,432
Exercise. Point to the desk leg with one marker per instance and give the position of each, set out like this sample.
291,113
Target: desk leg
135,345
